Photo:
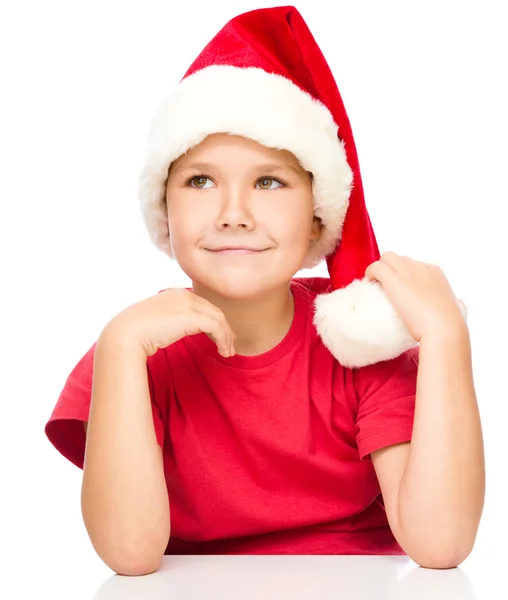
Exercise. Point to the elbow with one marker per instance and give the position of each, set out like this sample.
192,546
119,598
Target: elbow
134,557
440,557
438,548
133,564
131,553
135,568
439,561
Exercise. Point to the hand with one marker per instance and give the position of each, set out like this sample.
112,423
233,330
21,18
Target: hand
419,292
161,320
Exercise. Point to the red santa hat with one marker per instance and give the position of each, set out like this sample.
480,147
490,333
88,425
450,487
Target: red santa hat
264,77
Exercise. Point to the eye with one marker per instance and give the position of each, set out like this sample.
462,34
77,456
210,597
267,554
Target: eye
265,183
199,181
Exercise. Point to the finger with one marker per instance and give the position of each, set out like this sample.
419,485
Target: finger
220,331
232,337
232,342
204,306
229,337
224,334
212,310
396,261
379,271
212,325
216,313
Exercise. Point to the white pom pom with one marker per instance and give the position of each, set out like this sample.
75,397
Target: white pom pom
359,325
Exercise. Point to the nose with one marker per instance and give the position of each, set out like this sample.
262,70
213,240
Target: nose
235,211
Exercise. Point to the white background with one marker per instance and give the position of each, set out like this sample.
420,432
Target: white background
424,84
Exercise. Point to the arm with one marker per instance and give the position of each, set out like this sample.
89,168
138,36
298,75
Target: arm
124,496
434,487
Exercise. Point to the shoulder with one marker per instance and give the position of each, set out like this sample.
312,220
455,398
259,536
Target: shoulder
395,375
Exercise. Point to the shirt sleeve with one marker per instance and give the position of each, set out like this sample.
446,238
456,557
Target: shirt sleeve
386,394
65,429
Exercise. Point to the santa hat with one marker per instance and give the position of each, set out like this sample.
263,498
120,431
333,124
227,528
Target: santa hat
264,77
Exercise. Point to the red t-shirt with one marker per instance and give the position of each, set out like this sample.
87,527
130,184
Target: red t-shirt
266,454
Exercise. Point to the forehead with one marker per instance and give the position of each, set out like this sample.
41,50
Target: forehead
219,145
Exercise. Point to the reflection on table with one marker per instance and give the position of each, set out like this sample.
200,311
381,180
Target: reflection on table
296,577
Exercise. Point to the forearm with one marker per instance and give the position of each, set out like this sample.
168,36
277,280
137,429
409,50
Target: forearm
124,496
441,494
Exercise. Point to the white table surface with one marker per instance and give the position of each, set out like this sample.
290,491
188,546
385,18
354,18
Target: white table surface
295,577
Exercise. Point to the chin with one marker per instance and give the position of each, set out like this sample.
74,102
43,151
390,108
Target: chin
240,289
243,286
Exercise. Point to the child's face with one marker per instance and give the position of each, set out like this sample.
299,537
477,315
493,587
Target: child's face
240,194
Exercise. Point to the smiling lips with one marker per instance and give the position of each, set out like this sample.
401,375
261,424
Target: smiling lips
236,250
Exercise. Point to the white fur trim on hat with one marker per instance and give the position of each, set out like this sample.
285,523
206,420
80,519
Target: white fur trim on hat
262,106
359,325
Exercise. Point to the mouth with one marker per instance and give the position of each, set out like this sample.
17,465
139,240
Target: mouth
236,250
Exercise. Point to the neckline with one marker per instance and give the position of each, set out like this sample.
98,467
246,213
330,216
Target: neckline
258,361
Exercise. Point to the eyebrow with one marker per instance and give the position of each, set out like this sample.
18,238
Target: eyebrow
264,168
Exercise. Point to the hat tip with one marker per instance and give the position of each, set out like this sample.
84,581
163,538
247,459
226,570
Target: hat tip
359,326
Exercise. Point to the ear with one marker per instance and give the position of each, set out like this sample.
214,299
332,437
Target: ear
316,230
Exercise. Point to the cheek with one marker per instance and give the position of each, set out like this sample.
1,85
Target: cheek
182,238
187,224
291,220
185,221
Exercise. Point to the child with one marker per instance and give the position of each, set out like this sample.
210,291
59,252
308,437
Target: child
259,413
